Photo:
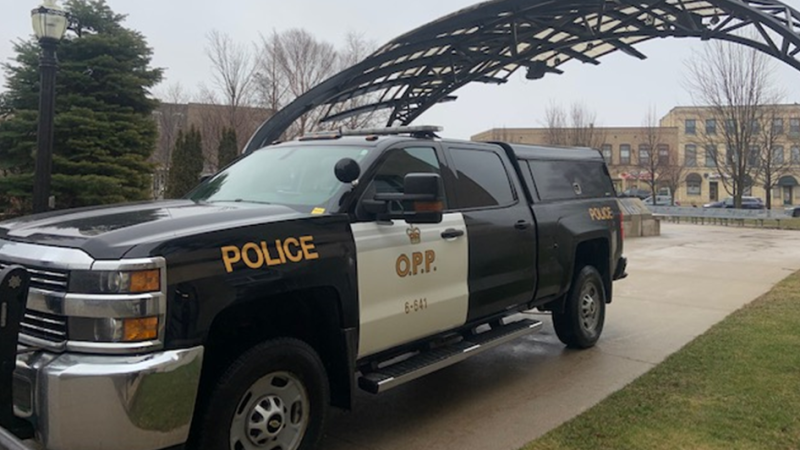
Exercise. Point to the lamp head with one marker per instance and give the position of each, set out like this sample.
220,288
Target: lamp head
49,21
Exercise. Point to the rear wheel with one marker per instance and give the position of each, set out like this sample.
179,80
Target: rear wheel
580,324
274,397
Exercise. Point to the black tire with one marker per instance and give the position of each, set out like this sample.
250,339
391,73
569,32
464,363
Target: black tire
252,393
581,322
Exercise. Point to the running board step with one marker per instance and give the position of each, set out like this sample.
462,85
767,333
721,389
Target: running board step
430,361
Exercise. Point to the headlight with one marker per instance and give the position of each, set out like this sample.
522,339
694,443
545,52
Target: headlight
114,330
111,282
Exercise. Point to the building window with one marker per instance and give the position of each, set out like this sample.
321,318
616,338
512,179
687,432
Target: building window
730,126
663,154
755,127
711,156
625,154
777,126
794,125
777,155
691,155
691,126
796,155
694,184
607,153
711,127
644,154
730,156
753,159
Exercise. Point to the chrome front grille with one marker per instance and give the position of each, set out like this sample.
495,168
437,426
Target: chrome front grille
48,327
45,279
41,328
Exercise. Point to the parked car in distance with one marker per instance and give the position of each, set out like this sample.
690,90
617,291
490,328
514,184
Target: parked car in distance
636,192
747,203
793,211
660,200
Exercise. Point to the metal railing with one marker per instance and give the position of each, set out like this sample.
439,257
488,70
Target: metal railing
720,216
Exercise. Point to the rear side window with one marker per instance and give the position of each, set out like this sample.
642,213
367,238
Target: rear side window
482,180
565,180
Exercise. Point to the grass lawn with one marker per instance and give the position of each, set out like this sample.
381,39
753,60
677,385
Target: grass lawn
735,387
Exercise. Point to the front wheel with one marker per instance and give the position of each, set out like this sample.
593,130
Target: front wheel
580,323
274,397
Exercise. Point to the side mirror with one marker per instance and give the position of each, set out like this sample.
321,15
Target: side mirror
206,177
421,195
347,170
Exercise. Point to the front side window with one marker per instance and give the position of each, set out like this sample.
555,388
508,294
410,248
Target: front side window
625,154
481,179
297,176
691,155
391,175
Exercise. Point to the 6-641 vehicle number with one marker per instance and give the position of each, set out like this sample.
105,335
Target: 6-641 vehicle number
416,306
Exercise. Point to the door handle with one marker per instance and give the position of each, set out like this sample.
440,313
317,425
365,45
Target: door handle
522,225
452,233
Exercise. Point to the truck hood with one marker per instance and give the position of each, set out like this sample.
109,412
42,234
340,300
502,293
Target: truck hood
110,232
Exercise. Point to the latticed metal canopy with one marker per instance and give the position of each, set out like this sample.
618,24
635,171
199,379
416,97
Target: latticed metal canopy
490,41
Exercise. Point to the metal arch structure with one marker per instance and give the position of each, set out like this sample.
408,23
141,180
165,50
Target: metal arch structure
490,41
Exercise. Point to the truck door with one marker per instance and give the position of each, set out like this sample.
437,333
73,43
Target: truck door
412,279
502,232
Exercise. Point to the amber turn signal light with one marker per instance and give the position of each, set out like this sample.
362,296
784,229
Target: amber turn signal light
146,281
137,330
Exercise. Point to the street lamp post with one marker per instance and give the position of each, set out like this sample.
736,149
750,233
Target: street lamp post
49,23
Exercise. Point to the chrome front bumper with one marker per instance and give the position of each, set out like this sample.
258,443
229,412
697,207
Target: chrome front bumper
84,402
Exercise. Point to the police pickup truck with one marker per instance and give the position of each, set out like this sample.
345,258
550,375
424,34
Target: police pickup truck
233,318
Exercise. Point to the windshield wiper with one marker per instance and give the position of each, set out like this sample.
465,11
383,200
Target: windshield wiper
240,200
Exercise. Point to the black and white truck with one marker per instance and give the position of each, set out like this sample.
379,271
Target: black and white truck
233,319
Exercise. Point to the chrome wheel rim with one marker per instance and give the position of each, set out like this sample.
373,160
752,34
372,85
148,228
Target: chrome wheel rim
590,307
273,414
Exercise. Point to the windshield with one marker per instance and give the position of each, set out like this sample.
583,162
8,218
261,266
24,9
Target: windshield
301,176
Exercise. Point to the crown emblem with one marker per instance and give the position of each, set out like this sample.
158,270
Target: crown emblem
415,235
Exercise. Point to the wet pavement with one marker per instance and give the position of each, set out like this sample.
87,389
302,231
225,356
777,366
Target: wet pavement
680,284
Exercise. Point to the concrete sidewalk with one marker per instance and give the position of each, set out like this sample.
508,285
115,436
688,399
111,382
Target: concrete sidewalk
679,286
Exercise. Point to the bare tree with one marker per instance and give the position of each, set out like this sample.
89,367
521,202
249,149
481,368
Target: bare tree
304,62
672,175
773,163
574,128
734,82
269,81
292,62
655,156
171,118
356,49
232,70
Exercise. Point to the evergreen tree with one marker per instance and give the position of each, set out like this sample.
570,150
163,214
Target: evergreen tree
104,130
186,165
228,148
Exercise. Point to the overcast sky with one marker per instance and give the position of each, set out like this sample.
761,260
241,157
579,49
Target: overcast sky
620,90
